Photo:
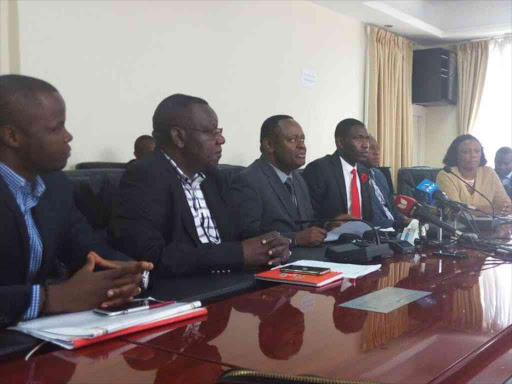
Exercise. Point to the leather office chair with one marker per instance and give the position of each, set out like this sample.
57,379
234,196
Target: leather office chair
100,165
409,178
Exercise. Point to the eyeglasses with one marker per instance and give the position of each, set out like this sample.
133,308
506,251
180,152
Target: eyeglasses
213,133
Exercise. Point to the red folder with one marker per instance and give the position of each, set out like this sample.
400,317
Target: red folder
292,278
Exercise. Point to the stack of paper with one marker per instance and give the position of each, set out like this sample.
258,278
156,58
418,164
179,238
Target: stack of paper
76,330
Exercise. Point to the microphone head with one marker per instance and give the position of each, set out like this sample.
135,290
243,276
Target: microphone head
405,204
447,169
425,191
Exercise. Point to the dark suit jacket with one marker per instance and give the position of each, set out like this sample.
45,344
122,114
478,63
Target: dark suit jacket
66,238
154,222
263,204
326,184
379,215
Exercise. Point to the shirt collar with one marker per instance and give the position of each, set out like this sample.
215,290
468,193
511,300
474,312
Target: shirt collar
346,166
17,183
199,177
283,176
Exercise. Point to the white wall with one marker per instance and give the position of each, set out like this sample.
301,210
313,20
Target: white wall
441,130
114,61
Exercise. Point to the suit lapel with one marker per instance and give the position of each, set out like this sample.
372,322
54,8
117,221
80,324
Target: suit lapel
337,170
279,188
181,206
9,200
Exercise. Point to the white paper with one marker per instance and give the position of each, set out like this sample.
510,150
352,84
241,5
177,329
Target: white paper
385,300
308,78
353,227
63,329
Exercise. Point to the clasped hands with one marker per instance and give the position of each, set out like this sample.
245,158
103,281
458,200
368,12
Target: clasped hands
268,249
87,289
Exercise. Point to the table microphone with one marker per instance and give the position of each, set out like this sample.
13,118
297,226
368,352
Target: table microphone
324,221
356,252
432,192
410,207
447,169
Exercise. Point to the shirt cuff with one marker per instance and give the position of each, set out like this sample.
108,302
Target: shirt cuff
33,310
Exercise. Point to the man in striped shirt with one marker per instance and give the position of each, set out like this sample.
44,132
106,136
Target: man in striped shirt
48,252
173,209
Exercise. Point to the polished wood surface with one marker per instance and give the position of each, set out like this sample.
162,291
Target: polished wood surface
289,329
460,333
114,361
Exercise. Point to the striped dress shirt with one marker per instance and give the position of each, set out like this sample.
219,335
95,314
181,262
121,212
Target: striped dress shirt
206,227
27,196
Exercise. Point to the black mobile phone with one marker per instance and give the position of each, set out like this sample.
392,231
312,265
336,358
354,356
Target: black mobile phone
451,254
133,306
303,270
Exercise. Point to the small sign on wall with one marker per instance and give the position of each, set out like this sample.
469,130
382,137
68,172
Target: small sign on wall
308,78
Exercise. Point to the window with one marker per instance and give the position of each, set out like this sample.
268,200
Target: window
493,126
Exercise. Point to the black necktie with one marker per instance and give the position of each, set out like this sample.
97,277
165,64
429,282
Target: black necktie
289,186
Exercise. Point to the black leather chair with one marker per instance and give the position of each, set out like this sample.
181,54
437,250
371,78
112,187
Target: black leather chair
100,165
409,178
96,191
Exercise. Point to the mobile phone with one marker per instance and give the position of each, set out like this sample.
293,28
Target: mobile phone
452,254
133,306
303,270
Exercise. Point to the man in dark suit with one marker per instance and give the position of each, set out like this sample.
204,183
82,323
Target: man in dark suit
385,214
143,146
270,194
503,167
338,183
44,238
173,210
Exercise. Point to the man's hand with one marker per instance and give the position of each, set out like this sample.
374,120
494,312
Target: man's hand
311,237
268,249
87,289
341,219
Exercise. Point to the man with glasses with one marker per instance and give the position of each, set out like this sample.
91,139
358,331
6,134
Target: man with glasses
172,206
270,194
338,183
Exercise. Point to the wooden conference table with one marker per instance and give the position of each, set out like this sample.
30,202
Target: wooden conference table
461,333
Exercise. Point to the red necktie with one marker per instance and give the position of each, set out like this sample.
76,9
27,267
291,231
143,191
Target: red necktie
356,205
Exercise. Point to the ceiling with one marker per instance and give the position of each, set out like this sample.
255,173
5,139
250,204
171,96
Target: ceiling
431,22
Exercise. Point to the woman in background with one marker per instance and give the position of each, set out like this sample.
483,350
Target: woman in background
467,160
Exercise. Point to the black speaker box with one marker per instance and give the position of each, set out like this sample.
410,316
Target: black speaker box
434,77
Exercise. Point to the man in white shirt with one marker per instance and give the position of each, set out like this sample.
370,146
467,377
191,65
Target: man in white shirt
338,183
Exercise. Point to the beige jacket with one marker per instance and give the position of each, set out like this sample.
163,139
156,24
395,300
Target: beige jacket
487,182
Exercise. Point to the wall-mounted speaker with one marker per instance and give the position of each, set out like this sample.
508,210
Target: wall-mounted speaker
434,77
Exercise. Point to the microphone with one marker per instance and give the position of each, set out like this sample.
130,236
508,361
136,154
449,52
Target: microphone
410,207
432,192
356,252
322,222
447,169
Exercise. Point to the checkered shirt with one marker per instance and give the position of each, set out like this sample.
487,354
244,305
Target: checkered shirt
206,227
27,196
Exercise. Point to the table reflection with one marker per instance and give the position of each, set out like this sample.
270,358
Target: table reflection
281,328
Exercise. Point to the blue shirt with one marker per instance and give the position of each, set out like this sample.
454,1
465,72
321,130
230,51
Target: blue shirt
507,180
27,196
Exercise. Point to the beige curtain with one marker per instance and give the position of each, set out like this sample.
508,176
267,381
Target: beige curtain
472,59
389,96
